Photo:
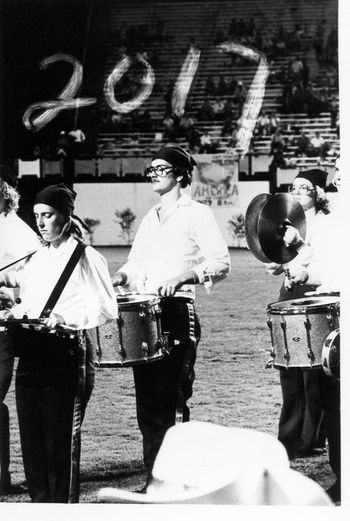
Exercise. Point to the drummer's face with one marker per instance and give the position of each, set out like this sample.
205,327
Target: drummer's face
164,182
50,222
304,192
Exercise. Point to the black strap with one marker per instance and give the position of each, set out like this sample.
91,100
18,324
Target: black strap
62,281
18,260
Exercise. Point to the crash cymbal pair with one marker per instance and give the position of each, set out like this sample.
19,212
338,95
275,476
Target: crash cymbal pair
267,219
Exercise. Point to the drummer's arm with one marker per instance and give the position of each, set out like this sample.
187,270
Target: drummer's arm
10,279
170,286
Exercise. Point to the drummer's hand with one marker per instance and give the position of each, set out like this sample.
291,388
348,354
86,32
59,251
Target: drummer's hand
5,301
6,313
296,276
54,320
170,286
292,237
119,279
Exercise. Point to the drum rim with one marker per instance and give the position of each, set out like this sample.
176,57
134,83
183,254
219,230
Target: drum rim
282,307
144,299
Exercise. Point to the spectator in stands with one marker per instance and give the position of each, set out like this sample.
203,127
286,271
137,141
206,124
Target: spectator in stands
227,127
222,87
186,126
209,86
240,93
333,109
117,121
275,122
205,112
280,48
267,44
169,127
263,124
218,109
77,135
316,143
205,142
331,47
303,144
277,143
229,110
232,85
168,96
305,73
62,145
296,69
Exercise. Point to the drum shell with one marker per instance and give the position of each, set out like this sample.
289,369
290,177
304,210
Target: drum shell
134,338
302,328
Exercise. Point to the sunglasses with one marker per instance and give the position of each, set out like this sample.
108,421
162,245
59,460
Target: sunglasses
302,189
159,171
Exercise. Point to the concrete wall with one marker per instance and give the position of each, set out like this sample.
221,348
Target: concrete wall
101,200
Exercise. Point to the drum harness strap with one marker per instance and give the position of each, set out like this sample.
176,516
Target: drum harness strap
186,363
81,345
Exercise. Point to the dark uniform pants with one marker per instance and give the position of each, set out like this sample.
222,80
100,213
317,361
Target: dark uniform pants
6,369
311,405
50,386
163,387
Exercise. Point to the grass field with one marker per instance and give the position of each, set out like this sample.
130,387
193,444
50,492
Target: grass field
232,386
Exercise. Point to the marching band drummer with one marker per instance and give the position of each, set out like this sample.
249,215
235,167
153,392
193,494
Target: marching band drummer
50,376
324,272
177,245
301,416
17,239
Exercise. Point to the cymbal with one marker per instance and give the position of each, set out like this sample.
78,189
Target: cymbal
267,217
251,226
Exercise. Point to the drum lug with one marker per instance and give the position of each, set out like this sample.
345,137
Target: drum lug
270,363
145,349
286,355
310,353
330,319
272,351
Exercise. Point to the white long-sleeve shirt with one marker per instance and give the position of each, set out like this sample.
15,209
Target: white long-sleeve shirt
325,267
17,239
186,238
88,299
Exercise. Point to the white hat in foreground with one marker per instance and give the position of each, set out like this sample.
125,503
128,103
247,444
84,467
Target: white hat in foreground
204,463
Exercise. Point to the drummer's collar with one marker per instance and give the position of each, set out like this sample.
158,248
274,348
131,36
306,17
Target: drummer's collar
183,200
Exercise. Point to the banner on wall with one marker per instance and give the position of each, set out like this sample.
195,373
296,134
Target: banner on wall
215,180
215,183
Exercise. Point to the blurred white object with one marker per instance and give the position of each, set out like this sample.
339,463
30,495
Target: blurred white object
204,463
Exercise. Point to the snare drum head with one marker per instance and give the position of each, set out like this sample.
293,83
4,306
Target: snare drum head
136,299
300,305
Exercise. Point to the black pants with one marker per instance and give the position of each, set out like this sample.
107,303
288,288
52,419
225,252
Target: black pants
50,385
300,424
311,405
164,387
6,369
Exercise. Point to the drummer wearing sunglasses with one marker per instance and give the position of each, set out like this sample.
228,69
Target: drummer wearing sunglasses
177,246
310,409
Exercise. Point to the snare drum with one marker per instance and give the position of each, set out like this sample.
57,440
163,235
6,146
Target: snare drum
299,329
135,337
